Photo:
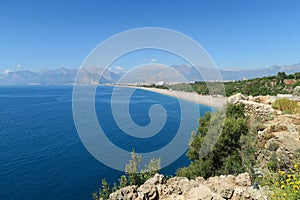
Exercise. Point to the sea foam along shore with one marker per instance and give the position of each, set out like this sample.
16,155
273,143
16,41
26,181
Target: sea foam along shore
213,101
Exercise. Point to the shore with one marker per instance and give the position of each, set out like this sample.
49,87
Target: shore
208,100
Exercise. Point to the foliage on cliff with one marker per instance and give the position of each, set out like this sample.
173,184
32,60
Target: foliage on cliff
284,184
134,176
287,106
227,155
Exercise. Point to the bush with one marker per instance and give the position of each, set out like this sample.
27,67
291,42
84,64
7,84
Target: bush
226,155
248,151
284,184
286,105
273,163
134,174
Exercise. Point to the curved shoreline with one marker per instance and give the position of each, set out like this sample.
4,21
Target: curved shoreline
208,100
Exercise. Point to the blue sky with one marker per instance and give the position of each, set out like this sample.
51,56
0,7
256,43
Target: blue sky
37,35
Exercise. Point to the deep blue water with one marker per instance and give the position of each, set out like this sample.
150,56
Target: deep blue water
42,156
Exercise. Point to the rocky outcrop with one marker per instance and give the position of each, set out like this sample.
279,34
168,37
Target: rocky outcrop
219,187
128,192
260,110
253,106
279,139
296,90
235,99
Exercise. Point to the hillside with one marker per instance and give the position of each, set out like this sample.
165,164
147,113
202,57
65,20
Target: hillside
257,156
270,85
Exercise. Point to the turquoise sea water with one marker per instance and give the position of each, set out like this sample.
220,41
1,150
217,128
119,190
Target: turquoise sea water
42,156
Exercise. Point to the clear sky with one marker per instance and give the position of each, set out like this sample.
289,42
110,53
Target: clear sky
236,33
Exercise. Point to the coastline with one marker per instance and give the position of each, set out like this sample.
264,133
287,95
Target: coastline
208,100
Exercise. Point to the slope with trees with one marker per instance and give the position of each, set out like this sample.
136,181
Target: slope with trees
271,85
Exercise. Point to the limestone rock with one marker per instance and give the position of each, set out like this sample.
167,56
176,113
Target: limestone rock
157,179
147,191
235,99
227,193
201,192
262,194
180,188
258,106
243,179
297,90
126,193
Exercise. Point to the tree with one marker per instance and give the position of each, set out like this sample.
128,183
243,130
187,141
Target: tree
133,167
152,168
105,190
281,76
297,75
123,181
136,176
225,156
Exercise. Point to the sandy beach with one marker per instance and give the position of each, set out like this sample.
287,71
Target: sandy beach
213,101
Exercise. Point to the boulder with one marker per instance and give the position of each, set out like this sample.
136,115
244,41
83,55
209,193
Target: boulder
201,192
147,191
125,193
235,99
296,90
157,179
243,179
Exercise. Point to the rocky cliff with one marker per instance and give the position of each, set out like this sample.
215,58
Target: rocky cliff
278,138
280,133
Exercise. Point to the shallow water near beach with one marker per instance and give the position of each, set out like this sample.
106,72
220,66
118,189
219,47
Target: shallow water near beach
42,156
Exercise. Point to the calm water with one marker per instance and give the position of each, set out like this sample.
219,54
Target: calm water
42,156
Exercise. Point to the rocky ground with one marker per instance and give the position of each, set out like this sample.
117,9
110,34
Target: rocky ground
279,136
219,187
278,139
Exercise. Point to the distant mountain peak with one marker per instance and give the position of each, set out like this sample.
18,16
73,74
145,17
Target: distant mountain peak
67,76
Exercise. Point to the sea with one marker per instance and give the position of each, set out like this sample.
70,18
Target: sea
42,156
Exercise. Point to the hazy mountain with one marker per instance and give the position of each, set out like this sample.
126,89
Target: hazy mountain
61,76
155,73
184,73
176,73
237,74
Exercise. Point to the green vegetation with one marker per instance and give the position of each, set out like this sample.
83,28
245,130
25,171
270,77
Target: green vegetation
132,169
133,176
287,106
271,85
233,153
284,184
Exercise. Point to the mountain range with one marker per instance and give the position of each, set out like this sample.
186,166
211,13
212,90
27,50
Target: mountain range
176,73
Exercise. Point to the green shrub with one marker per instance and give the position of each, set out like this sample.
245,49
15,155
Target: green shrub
248,151
284,184
285,112
226,155
134,174
273,163
286,105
